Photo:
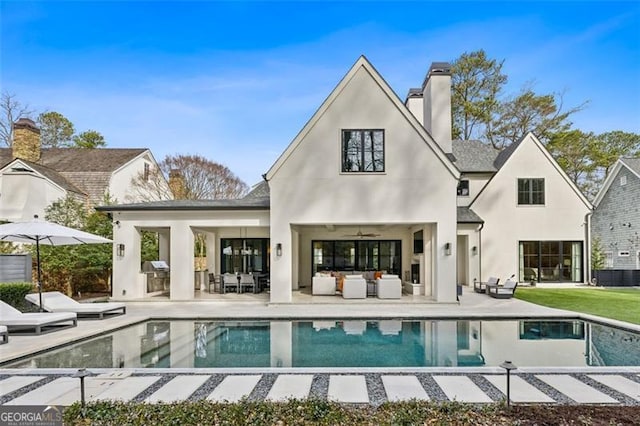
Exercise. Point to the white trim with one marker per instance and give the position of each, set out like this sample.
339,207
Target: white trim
36,173
363,63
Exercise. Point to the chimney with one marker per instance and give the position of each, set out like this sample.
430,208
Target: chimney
436,95
26,140
177,185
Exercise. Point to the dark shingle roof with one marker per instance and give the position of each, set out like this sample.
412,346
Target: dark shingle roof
254,203
506,153
466,215
632,163
474,156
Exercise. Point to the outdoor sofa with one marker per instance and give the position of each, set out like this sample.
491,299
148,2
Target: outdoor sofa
54,301
34,323
389,287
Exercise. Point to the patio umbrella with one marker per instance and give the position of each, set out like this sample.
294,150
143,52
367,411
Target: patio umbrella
48,233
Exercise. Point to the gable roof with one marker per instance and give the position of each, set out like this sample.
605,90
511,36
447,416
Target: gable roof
466,215
474,156
632,164
504,156
81,170
363,63
47,173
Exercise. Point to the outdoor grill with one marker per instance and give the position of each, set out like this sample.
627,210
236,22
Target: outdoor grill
157,272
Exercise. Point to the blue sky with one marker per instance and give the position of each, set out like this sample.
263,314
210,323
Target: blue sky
236,81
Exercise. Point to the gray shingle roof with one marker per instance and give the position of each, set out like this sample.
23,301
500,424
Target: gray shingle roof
259,190
632,163
466,215
84,171
474,156
253,203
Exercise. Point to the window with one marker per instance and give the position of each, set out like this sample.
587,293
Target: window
363,150
463,188
608,259
357,255
550,261
530,191
146,171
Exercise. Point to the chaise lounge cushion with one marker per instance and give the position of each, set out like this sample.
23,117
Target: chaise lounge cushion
34,323
505,291
54,301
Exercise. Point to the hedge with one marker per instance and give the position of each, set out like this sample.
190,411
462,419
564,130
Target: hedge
14,293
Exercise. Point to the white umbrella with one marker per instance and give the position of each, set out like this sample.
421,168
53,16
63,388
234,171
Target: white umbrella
47,233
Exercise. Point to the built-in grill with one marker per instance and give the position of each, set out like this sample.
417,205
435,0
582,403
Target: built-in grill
157,272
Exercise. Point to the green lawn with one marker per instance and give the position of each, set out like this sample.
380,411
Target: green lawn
619,304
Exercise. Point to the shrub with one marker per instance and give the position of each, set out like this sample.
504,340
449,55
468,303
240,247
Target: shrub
14,293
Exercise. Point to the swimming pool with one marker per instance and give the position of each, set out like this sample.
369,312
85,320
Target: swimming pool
348,343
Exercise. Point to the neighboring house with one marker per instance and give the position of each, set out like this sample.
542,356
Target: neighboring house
616,217
31,177
372,183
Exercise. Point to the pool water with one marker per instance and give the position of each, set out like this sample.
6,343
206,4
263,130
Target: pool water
349,343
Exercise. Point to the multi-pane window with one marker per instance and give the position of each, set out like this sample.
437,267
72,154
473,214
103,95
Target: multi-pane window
463,188
147,172
550,261
363,150
357,255
531,191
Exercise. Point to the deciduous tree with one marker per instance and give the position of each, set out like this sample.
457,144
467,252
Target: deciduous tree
11,109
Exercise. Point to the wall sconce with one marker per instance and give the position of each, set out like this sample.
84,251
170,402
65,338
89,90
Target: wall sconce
279,249
611,227
120,250
117,223
447,249
474,250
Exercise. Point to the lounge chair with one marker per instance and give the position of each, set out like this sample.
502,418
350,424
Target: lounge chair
505,291
389,287
34,323
354,287
54,301
4,335
481,287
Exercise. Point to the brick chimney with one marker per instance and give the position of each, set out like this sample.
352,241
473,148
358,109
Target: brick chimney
177,185
26,140
436,96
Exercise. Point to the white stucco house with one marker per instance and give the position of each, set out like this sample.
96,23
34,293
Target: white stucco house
32,177
375,183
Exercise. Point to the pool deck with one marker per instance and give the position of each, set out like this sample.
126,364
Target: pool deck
561,385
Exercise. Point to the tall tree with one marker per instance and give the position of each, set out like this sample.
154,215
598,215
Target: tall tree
56,131
89,139
476,82
613,145
529,112
481,111
199,179
573,150
11,109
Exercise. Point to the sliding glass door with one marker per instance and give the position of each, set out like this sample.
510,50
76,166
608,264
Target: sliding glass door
244,255
357,255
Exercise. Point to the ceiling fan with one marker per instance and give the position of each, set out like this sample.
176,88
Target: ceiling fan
360,234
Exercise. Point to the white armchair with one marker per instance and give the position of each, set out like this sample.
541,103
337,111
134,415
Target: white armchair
354,287
323,285
389,287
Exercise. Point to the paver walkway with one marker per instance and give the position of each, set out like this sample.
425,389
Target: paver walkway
364,388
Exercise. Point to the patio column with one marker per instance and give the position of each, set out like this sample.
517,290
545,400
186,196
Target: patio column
281,263
182,263
128,282
212,252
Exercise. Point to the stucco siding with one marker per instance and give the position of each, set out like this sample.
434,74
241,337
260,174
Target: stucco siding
561,218
309,187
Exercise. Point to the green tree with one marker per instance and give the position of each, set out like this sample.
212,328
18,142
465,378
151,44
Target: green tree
613,145
56,131
480,111
476,82
76,269
574,151
89,139
597,255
